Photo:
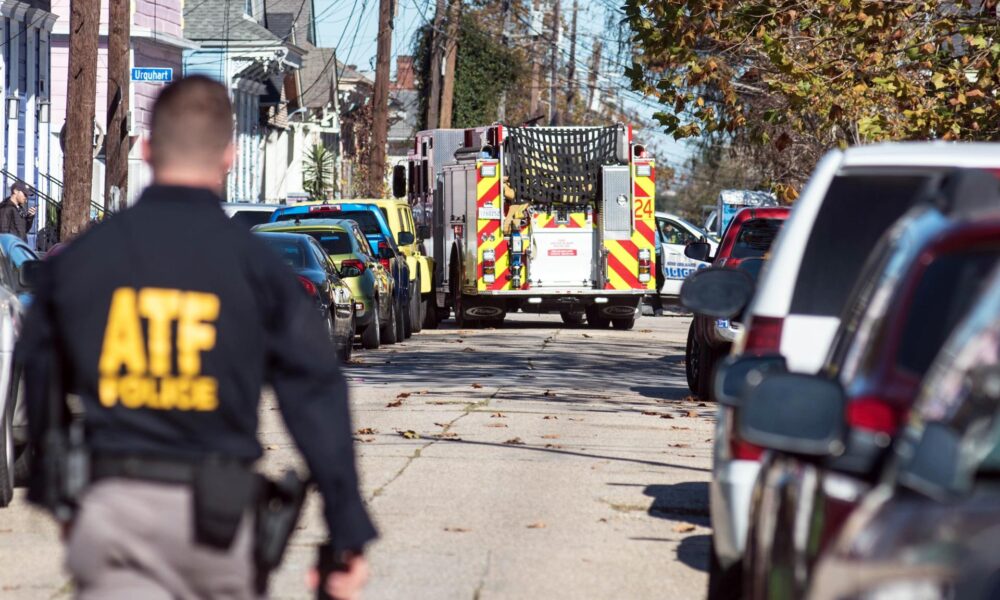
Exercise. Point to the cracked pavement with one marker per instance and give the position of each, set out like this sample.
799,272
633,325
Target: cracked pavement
533,461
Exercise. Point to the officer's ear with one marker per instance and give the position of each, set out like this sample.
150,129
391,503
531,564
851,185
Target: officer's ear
229,156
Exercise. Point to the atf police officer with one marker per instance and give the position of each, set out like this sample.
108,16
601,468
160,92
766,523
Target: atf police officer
165,321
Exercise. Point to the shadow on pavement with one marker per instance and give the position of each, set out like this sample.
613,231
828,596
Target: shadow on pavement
693,551
687,501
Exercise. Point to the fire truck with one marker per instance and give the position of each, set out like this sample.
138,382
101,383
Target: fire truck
537,219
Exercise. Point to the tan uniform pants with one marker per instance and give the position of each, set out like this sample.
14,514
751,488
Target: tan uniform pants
135,539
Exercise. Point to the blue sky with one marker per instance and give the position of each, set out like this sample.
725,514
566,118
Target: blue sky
352,26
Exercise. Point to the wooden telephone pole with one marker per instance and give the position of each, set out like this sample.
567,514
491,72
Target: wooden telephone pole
380,100
437,57
451,58
81,95
553,83
571,69
117,144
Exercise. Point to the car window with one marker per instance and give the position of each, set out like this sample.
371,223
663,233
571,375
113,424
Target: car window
404,224
944,294
365,219
291,252
20,254
672,233
385,214
333,242
363,244
856,211
755,237
249,218
319,254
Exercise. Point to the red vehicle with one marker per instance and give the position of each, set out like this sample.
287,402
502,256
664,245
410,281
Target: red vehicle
918,283
745,246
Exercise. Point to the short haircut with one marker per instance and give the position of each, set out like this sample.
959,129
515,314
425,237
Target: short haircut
192,122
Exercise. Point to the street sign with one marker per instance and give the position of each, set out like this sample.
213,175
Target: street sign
153,74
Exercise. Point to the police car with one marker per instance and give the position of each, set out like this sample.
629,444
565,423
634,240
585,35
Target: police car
672,235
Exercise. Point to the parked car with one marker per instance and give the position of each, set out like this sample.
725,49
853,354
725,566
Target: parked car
673,234
399,216
350,253
749,236
851,199
249,214
929,528
375,227
14,252
917,283
321,281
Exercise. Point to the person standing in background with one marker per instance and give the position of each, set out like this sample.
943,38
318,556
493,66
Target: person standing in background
16,217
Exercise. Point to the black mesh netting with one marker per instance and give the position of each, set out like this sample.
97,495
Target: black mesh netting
548,165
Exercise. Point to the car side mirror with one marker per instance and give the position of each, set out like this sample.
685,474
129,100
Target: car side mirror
699,251
399,181
796,414
717,292
349,271
385,253
423,232
405,238
30,274
738,374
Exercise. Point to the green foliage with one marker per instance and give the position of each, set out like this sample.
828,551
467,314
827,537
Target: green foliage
801,75
317,172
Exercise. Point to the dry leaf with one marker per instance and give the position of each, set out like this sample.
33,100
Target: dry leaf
515,442
477,386
447,436
679,445
497,415
364,440
457,529
394,404
650,413
549,393
459,341
402,395
550,437
678,428
537,525
702,404
575,419
497,425
271,447
691,399
469,349
666,416
367,431
691,413
645,331
548,417
602,520
556,446
684,528
587,335
409,434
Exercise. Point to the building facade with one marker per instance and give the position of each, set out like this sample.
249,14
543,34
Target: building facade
25,31
236,48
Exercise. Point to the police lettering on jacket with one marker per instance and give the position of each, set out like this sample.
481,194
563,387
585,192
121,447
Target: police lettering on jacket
163,371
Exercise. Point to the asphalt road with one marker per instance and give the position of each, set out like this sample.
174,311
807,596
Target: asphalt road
534,461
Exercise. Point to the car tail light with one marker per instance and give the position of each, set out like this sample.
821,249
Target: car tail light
740,450
489,266
645,265
309,286
872,413
353,262
764,333
383,249
325,208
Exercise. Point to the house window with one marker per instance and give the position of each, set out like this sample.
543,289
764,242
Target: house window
248,7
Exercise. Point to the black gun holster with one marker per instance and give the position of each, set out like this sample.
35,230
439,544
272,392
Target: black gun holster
279,504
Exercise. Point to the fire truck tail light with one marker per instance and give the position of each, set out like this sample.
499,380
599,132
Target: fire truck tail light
489,266
645,265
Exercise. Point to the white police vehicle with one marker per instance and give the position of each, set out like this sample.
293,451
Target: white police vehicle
672,235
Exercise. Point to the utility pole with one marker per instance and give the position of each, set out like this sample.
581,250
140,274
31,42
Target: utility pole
536,65
553,84
595,67
380,100
505,40
116,146
571,72
81,95
451,58
437,58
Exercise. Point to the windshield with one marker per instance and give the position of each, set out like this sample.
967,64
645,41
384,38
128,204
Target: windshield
364,218
292,253
755,237
334,242
249,218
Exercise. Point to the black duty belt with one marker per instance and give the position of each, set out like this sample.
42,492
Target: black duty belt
143,468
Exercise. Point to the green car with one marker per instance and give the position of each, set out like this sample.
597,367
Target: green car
350,253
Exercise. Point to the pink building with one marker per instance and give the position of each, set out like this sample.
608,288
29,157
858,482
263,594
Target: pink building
157,41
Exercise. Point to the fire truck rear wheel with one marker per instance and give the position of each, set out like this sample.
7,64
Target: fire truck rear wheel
595,320
623,324
574,319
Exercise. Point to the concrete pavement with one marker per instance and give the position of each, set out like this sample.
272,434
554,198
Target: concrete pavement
534,461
